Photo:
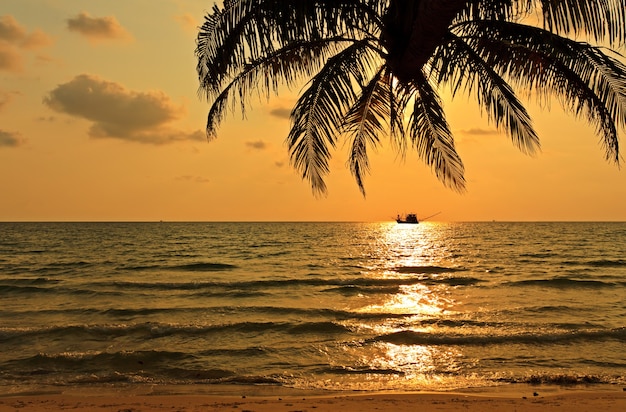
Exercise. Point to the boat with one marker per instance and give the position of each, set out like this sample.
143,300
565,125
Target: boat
412,218
408,218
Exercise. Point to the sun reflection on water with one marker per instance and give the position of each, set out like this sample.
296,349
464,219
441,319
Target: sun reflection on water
406,245
417,254
420,300
414,253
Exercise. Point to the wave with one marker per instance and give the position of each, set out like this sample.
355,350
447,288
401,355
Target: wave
360,370
9,289
562,379
55,290
539,255
238,353
607,263
151,330
425,269
109,367
596,263
30,281
350,290
116,360
408,337
566,282
190,267
281,311
251,380
333,284
47,268
273,311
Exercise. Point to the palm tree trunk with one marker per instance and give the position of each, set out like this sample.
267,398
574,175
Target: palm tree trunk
413,29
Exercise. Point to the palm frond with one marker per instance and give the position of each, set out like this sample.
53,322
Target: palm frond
371,61
603,20
265,75
317,116
365,121
461,66
584,101
246,30
547,64
492,10
431,135
399,99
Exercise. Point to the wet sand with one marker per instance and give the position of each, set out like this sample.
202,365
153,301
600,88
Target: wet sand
202,399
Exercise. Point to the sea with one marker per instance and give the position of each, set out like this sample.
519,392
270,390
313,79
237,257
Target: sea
323,306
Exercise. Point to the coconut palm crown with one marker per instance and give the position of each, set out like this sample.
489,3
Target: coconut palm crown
376,68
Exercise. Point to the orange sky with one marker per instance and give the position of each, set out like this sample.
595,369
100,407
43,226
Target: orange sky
100,120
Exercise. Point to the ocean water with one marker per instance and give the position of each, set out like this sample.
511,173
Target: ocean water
338,306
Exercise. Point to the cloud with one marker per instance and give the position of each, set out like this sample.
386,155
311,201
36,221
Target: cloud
10,59
10,30
117,112
13,39
188,22
6,98
281,112
257,145
97,29
193,179
480,132
10,139
36,40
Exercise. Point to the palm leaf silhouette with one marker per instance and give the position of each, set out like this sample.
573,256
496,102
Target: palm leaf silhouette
374,69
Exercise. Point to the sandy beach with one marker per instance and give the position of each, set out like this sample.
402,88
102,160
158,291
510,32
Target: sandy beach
188,400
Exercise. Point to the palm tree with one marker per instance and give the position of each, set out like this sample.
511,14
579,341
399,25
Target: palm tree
377,68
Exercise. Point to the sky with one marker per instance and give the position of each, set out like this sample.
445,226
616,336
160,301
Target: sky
100,120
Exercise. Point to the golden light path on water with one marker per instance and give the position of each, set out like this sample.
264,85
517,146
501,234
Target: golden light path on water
410,251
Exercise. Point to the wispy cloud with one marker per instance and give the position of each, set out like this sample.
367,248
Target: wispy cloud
281,112
257,145
14,39
192,179
36,40
188,22
98,29
11,139
480,132
117,112
10,59
49,119
6,98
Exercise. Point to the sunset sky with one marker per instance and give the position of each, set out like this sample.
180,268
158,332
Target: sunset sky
100,120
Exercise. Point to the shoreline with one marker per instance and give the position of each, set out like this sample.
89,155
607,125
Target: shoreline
187,398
